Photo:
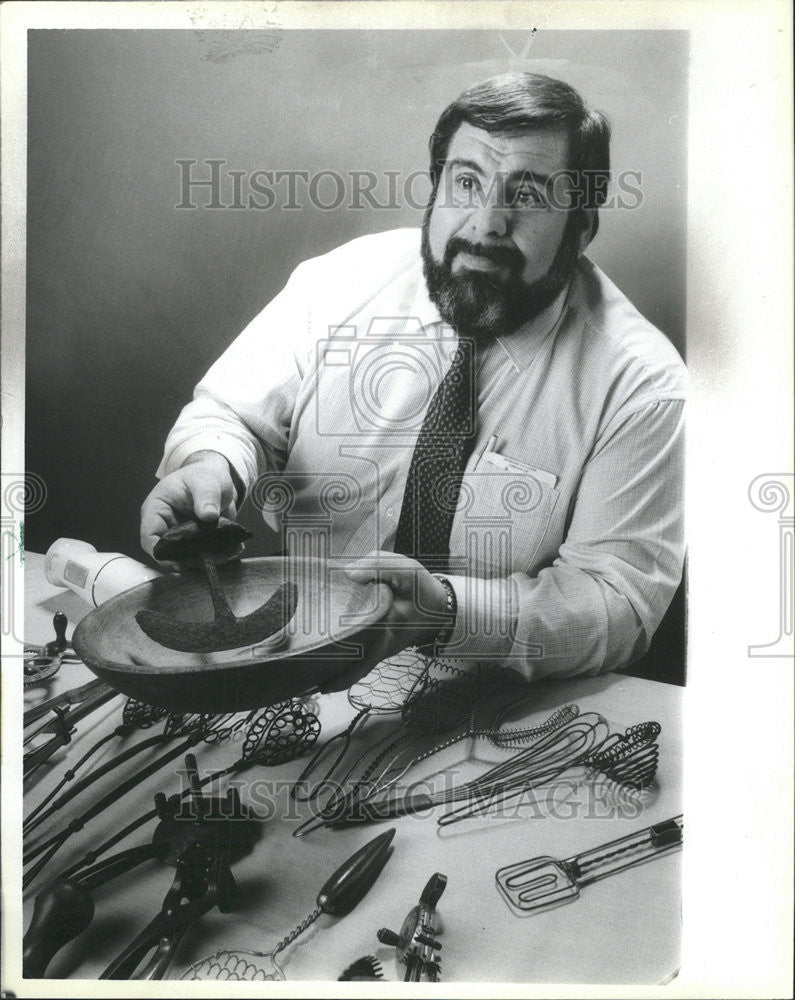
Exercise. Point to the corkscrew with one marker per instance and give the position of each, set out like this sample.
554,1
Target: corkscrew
43,662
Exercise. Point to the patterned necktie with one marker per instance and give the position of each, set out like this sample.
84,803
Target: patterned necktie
437,465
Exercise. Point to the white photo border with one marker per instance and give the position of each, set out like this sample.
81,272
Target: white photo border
737,908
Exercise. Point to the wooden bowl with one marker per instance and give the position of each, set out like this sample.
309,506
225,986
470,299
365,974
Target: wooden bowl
318,643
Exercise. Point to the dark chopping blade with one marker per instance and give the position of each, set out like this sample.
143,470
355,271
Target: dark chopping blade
226,631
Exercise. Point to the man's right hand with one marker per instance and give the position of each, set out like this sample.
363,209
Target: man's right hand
202,489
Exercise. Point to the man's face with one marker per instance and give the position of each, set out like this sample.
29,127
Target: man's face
497,247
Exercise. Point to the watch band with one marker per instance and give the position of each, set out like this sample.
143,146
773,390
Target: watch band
445,632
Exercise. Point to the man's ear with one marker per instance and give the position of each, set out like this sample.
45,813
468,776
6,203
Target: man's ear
587,229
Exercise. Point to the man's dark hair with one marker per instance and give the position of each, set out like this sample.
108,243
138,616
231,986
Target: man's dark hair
520,102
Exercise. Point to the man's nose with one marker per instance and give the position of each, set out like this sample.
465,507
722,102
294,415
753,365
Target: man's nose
490,220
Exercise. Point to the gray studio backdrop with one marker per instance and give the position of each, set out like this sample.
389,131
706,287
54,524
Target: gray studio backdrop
131,298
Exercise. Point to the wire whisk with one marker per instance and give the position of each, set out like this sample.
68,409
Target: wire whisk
381,692
339,895
630,759
236,966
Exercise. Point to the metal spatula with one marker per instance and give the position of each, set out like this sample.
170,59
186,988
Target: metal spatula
544,882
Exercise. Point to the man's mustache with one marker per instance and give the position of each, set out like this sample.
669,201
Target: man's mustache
509,256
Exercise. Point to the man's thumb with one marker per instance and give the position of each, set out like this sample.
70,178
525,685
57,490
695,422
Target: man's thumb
208,511
207,503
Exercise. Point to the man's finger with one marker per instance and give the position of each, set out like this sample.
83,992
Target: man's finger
207,500
210,500
362,574
380,567
219,558
156,518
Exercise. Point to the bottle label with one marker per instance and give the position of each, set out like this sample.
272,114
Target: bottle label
76,574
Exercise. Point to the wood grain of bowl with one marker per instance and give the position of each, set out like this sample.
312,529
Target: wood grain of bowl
318,643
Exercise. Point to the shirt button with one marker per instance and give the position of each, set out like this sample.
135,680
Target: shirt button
390,511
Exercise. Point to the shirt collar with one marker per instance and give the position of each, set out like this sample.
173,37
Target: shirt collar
520,346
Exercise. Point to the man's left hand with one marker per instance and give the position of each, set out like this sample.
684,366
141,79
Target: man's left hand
417,611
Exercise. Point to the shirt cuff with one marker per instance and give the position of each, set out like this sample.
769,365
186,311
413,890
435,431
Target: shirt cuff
228,447
485,623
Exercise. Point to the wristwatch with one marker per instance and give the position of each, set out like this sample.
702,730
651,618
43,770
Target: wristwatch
445,632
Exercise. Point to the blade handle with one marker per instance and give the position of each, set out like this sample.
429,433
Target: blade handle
349,883
62,911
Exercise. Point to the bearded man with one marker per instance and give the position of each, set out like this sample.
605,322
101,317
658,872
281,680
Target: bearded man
473,414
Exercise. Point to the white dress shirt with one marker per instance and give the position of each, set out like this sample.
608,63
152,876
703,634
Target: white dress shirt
567,543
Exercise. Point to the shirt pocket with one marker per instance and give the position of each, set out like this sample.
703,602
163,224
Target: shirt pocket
500,522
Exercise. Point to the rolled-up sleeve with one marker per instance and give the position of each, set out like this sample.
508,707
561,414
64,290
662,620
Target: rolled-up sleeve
243,406
599,603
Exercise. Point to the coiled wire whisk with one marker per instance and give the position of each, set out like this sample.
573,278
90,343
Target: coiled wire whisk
236,966
630,759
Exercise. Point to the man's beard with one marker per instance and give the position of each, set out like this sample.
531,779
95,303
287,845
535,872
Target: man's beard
482,304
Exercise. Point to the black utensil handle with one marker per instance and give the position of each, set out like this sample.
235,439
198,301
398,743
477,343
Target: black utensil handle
62,911
626,852
433,890
59,643
125,964
33,759
346,887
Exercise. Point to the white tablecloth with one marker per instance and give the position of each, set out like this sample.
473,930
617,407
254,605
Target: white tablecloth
624,929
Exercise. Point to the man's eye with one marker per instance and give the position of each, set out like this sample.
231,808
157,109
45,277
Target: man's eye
465,182
528,196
